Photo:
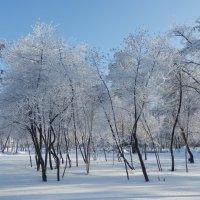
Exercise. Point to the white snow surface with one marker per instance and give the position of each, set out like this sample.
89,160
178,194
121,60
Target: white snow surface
18,181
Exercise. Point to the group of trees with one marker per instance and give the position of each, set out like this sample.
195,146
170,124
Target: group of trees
57,98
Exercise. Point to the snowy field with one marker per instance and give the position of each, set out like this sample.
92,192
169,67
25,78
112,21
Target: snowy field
18,181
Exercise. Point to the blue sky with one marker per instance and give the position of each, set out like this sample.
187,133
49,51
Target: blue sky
102,23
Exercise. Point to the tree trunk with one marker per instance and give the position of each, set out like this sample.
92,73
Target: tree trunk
53,152
39,158
145,151
191,158
5,145
140,158
29,152
175,123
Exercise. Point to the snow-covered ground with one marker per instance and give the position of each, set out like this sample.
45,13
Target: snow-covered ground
18,181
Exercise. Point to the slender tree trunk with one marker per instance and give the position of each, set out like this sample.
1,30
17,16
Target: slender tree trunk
29,152
88,155
44,176
57,160
113,156
67,150
148,131
145,151
175,123
140,158
134,132
104,151
49,151
131,156
75,135
186,164
191,158
40,161
113,128
5,145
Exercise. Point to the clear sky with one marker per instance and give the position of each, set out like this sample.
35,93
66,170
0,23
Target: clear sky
102,23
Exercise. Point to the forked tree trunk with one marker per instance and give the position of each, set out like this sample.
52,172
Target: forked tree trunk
53,152
39,158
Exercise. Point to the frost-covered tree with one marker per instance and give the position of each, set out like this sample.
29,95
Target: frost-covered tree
45,79
132,76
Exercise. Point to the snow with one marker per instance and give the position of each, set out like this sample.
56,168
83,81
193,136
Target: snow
18,181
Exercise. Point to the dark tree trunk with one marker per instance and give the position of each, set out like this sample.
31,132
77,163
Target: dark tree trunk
175,123
145,151
140,158
39,160
5,145
191,158
53,152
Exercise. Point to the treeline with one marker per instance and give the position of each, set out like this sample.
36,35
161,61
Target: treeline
57,98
